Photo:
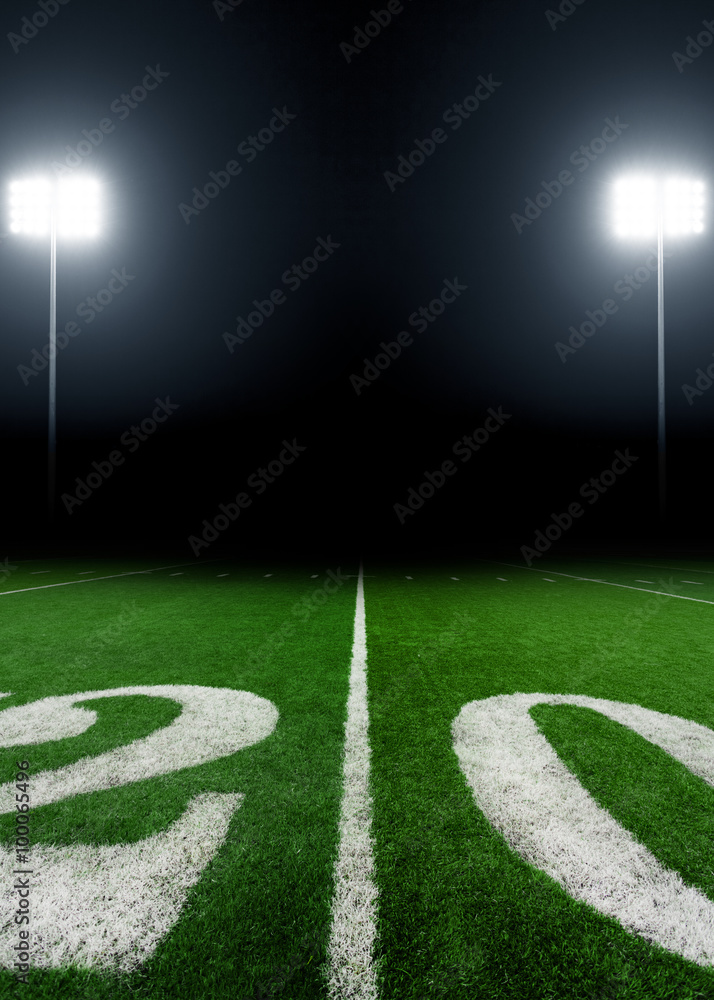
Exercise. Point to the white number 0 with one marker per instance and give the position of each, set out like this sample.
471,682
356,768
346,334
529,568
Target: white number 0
551,821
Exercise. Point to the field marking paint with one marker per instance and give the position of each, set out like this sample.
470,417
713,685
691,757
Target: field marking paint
214,722
697,583
625,586
645,581
36,572
108,906
680,569
546,815
68,583
351,973
84,572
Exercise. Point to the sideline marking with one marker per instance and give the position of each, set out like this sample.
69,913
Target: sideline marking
625,586
681,569
350,970
68,583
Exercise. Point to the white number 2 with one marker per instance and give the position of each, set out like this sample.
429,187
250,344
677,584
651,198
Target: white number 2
107,907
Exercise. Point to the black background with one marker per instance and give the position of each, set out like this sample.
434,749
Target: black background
324,176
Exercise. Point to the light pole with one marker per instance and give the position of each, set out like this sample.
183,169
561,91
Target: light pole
68,207
673,207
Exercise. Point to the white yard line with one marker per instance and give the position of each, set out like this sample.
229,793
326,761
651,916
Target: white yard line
680,569
351,974
93,579
606,583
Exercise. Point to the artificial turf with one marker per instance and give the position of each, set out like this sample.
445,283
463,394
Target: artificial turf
460,913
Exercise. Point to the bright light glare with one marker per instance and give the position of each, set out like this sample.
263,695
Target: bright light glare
683,206
30,207
77,207
638,200
636,207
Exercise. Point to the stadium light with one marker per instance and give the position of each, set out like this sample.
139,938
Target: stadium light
68,208
643,207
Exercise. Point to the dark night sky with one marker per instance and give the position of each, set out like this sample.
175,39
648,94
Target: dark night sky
323,177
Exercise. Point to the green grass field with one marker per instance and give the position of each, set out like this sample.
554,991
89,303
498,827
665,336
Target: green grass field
272,816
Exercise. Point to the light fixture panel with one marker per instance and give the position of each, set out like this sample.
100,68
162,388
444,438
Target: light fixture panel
77,207
636,207
77,204
638,200
30,207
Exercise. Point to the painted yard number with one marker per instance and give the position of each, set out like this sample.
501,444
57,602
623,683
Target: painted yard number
546,815
109,906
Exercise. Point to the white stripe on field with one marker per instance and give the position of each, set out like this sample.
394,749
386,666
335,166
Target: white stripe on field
625,586
68,583
351,974
682,569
